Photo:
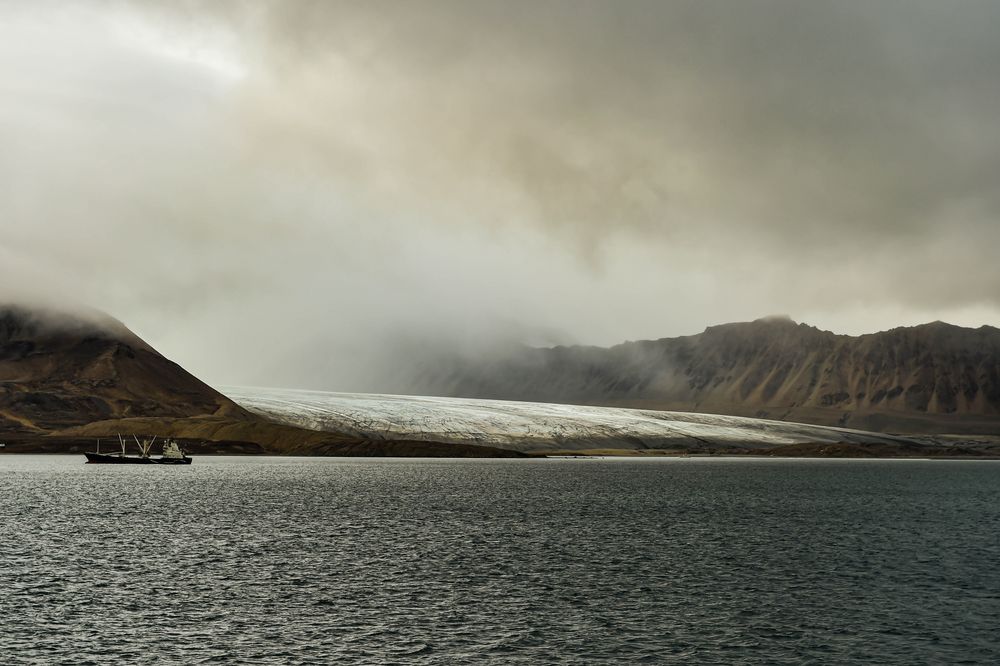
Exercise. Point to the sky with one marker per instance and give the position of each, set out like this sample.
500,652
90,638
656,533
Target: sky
288,193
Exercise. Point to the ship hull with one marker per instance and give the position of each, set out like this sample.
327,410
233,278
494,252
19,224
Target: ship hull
103,459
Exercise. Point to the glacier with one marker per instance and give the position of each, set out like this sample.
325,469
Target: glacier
530,426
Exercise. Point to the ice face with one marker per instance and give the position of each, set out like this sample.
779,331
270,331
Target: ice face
526,426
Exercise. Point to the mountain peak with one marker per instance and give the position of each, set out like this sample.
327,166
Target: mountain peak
68,367
19,321
937,323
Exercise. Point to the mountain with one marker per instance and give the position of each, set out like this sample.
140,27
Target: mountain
68,377
60,369
934,378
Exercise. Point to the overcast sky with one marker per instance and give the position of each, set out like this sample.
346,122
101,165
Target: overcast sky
274,193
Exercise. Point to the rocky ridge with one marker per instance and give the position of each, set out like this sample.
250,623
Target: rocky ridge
934,378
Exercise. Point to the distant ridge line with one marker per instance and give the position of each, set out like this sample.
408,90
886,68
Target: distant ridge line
930,378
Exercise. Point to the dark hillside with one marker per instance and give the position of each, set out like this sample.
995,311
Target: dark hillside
934,378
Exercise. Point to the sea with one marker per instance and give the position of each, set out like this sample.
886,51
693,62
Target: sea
260,560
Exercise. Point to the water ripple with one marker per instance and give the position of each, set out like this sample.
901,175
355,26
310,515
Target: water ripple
294,561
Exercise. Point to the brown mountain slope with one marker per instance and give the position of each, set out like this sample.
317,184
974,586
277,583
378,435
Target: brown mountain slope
60,369
68,378
931,378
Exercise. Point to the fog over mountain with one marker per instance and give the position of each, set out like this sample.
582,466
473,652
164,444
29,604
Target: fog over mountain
283,193
61,369
930,378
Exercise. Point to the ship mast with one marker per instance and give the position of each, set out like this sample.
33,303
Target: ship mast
144,446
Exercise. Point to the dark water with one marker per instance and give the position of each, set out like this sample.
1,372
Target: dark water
287,561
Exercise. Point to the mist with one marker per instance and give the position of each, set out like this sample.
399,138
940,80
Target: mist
314,194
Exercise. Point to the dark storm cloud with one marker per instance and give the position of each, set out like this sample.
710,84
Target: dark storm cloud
608,169
807,130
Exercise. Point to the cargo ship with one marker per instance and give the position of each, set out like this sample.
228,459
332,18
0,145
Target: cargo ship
171,455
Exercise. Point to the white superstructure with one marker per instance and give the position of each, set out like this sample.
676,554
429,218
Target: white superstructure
172,450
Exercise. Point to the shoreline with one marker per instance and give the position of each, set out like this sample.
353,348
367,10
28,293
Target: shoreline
553,456
958,449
